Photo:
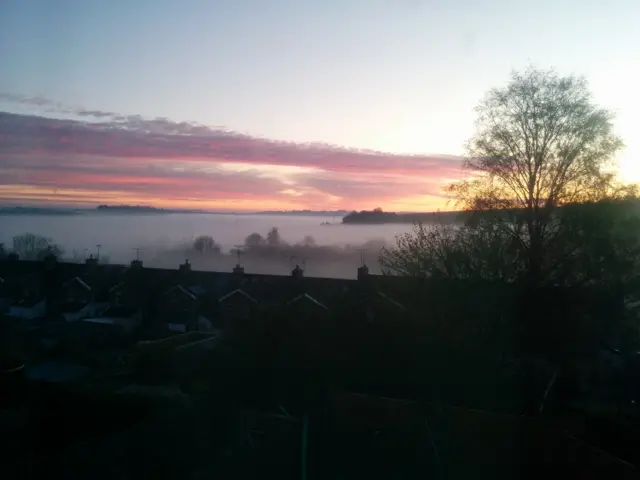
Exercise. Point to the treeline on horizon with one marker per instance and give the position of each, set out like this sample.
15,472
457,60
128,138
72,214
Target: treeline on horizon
378,216
137,208
35,210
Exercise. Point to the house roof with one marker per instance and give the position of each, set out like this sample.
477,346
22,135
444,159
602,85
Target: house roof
175,340
177,327
56,372
308,298
197,290
267,290
81,282
390,300
72,307
119,312
182,290
237,291
20,269
28,303
272,290
127,324
116,286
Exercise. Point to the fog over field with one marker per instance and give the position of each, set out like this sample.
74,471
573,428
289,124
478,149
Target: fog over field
165,240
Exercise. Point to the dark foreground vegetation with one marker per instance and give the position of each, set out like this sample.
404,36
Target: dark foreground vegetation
502,347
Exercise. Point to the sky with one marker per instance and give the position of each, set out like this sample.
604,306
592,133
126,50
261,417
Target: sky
281,104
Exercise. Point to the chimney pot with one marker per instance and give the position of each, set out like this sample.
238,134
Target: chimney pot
297,272
136,264
363,272
50,260
185,267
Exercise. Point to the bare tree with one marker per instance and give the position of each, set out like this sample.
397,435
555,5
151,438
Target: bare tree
308,241
205,244
452,252
540,144
273,237
254,240
35,247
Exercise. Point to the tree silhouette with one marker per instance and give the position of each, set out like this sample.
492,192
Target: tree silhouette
541,146
254,240
273,237
205,244
540,143
30,246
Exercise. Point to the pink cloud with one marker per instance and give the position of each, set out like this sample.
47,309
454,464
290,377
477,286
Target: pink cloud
160,158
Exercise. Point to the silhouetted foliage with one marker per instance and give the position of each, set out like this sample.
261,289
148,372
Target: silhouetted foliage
540,143
254,240
273,237
539,162
597,243
308,241
205,244
452,252
30,246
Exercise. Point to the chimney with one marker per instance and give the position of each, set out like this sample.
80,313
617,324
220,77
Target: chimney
297,272
237,277
185,267
50,261
91,262
363,273
297,285
364,280
136,264
51,284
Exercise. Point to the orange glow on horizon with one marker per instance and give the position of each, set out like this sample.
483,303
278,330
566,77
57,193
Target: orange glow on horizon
25,194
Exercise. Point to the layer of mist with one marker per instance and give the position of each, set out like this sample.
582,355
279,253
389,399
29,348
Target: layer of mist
336,261
322,245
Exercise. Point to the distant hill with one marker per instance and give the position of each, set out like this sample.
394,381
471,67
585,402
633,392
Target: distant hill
141,209
36,211
129,208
